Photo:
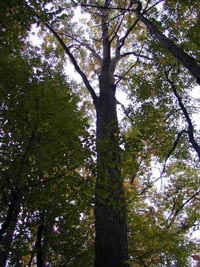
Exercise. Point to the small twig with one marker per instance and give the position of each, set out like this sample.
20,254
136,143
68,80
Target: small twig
131,67
172,149
167,157
147,4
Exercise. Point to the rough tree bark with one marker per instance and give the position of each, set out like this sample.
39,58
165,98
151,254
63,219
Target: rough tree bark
110,210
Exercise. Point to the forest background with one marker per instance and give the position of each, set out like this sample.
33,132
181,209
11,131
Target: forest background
75,196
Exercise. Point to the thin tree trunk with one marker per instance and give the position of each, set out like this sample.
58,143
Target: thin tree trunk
110,210
8,228
188,61
39,244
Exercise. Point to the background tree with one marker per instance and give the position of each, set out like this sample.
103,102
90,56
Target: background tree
43,146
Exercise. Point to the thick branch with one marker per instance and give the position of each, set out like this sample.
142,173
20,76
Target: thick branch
188,61
70,55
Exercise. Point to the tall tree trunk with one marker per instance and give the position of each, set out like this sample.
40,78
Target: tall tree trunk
8,228
111,244
110,210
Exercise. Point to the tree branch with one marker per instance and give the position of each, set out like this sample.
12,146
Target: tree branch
188,61
123,39
135,54
12,214
70,55
131,67
114,33
75,64
146,6
190,130
179,135
122,76
181,207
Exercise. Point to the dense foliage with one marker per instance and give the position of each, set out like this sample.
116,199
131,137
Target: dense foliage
44,151
47,155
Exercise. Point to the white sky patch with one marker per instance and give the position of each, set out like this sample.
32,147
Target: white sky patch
34,36
195,94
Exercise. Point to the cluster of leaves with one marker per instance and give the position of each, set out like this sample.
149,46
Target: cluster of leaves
14,23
